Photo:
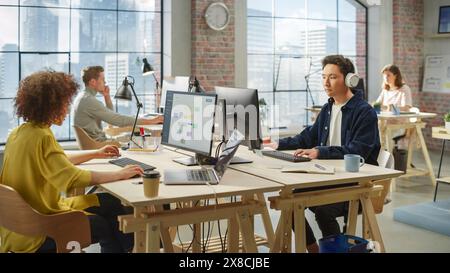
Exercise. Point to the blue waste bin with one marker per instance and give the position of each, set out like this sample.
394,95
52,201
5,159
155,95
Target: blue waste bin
342,243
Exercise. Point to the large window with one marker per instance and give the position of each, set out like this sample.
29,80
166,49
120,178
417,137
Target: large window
287,39
67,35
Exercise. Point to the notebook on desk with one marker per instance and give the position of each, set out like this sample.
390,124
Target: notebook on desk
308,168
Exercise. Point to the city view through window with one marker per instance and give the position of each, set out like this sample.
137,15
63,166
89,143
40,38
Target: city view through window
67,35
286,41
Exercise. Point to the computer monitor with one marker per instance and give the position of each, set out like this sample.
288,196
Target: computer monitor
241,113
178,83
189,124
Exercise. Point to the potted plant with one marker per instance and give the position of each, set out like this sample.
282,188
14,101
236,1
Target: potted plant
377,107
447,121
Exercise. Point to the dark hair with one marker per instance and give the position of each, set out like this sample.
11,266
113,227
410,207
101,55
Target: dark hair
398,76
91,72
43,96
345,65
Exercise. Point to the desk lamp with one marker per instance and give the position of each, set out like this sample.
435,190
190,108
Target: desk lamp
124,93
147,69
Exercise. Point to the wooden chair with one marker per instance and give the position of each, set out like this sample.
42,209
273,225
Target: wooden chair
18,216
85,142
385,160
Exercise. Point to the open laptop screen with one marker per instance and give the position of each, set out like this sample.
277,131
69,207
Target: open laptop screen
228,152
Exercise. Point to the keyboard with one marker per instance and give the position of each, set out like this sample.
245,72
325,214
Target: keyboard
124,161
285,156
198,175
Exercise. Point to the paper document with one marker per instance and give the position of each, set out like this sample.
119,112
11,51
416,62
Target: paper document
309,167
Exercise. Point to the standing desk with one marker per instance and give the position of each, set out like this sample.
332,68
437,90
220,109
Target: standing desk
150,222
403,122
295,204
440,133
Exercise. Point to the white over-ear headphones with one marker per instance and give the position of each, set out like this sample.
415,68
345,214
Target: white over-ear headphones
351,80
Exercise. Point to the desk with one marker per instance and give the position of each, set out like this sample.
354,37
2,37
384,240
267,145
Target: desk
386,130
114,131
440,133
315,112
289,203
150,222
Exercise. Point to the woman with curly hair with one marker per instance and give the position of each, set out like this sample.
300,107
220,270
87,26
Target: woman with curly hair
36,166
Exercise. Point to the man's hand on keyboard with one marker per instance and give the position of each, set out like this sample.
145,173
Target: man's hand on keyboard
130,171
310,153
108,151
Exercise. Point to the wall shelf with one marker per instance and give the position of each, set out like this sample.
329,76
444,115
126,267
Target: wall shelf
438,36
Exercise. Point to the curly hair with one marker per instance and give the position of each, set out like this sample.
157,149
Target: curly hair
43,96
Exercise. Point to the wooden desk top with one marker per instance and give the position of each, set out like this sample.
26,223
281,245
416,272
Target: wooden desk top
114,131
313,109
233,183
444,180
388,115
440,133
270,168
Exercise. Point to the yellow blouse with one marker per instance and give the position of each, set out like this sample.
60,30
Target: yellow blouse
36,166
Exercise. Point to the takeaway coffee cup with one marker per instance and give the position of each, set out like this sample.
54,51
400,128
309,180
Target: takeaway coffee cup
151,183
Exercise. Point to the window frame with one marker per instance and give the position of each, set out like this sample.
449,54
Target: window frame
158,11
275,55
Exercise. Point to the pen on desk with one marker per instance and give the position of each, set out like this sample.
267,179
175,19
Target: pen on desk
320,167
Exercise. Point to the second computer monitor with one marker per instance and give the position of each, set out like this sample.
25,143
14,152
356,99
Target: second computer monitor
241,113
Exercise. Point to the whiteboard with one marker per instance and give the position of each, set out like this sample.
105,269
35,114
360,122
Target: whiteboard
436,76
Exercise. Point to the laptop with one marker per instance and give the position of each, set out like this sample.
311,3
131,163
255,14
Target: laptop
205,176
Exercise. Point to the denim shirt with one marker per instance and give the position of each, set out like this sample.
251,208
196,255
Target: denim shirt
359,132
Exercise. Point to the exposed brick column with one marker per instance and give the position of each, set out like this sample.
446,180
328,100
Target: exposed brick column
408,28
212,51
361,44
408,40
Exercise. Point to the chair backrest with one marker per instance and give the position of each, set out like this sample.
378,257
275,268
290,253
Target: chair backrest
385,160
85,142
18,216
415,110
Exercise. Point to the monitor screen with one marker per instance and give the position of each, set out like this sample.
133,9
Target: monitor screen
189,121
175,84
242,113
444,19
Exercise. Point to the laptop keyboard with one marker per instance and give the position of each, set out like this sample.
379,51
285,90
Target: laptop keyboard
199,175
124,161
285,156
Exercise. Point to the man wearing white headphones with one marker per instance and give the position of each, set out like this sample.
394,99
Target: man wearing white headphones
346,125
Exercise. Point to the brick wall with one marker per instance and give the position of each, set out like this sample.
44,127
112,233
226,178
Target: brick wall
408,40
408,28
212,51
361,43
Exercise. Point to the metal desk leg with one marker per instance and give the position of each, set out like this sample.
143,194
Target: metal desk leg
439,171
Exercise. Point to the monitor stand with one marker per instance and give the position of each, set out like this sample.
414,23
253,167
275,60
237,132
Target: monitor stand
193,161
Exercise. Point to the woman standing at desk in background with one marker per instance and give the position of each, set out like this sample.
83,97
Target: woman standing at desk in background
394,92
36,166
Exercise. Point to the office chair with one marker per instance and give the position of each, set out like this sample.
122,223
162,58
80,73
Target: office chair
18,216
85,142
385,160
